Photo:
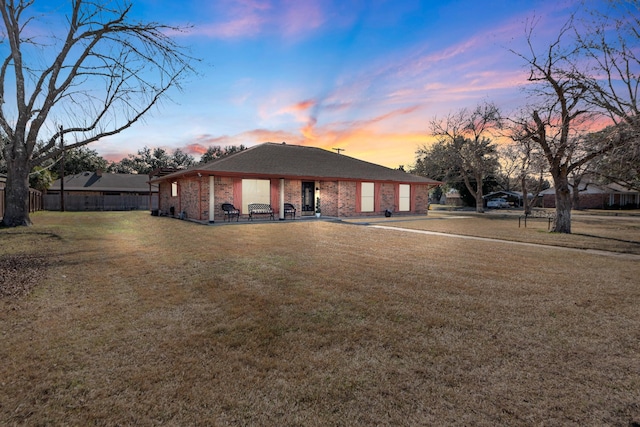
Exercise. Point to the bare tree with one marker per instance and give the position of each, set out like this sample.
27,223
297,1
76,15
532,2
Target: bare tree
509,166
98,75
611,44
620,166
523,162
467,133
609,41
570,99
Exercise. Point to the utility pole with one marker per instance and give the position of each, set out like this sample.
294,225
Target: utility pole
61,171
339,149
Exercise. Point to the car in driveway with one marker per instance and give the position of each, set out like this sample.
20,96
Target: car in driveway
498,203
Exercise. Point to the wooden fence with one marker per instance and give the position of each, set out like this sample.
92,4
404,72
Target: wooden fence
35,200
123,202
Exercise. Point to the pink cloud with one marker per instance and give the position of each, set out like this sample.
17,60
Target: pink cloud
242,27
195,149
115,156
304,105
300,110
250,18
302,16
308,129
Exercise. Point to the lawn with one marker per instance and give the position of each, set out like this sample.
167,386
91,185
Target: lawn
589,230
142,320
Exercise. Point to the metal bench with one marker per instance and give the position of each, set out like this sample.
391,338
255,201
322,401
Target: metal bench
548,216
230,211
259,209
290,210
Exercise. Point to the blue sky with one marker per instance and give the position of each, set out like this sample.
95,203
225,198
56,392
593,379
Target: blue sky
364,76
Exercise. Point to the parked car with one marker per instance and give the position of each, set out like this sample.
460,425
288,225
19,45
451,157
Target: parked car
498,203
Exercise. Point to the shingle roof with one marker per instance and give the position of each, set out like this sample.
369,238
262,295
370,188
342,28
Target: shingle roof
590,188
285,160
90,181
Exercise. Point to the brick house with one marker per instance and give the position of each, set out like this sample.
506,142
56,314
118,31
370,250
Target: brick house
591,196
98,191
282,173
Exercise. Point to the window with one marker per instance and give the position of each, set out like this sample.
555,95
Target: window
255,191
367,197
404,200
174,189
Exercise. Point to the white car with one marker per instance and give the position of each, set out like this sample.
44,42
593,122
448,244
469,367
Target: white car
498,203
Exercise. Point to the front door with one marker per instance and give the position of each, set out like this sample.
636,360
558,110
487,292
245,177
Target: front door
308,202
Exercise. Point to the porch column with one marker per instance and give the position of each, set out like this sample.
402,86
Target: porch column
281,201
212,199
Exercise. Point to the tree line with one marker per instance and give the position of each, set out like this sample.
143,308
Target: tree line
84,159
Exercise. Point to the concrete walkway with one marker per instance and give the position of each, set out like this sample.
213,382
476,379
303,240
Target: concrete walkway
618,255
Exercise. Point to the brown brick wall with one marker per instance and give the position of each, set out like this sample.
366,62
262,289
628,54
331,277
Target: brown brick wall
165,201
293,194
587,201
223,194
346,199
338,198
329,197
189,197
593,201
421,199
388,197
193,197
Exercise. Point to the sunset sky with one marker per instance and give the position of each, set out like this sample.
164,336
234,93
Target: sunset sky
365,76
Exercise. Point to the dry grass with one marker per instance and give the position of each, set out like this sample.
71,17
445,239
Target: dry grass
617,234
144,320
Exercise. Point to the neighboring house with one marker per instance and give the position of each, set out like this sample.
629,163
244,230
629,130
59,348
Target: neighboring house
452,198
281,173
97,191
611,196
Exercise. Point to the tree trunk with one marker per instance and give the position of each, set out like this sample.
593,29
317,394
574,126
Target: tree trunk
17,194
562,222
575,202
525,196
479,194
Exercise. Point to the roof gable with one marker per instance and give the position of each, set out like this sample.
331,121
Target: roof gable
91,181
590,188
